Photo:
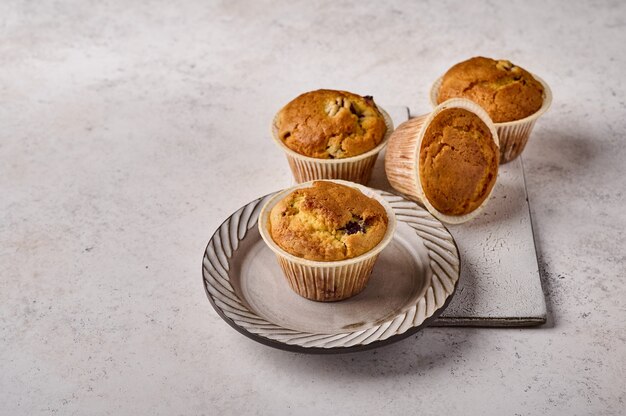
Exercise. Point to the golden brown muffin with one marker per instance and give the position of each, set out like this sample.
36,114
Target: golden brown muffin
328,124
507,92
458,162
327,222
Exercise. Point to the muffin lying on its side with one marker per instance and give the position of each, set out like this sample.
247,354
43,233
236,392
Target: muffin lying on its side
327,222
458,162
507,92
328,124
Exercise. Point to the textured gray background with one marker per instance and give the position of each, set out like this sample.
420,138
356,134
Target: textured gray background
129,131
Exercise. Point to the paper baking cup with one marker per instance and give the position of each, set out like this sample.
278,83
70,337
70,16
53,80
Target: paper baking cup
326,281
402,158
513,135
355,169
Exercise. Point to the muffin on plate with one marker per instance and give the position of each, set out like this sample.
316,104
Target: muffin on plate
329,124
458,161
506,91
327,222
327,236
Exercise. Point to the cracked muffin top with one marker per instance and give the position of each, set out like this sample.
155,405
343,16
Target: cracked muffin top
458,162
328,124
507,92
327,222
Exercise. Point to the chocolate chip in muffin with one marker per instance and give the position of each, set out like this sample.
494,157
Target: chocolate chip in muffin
357,225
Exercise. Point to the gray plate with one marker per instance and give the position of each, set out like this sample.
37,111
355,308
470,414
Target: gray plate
412,283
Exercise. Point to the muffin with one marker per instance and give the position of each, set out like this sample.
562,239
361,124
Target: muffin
458,161
506,91
329,124
327,236
327,222
447,160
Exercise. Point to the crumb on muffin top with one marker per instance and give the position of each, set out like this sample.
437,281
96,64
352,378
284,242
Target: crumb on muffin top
458,162
329,124
327,222
506,91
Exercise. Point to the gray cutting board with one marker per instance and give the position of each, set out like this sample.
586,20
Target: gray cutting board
500,283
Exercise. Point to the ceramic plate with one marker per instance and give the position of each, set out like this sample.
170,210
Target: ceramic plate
412,283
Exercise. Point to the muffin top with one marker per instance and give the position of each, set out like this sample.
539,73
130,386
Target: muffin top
458,161
327,222
328,124
507,92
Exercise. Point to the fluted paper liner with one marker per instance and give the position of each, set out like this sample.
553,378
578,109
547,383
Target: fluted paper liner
354,169
326,281
513,135
402,158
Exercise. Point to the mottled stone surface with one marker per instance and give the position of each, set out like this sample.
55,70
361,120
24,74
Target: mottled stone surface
130,130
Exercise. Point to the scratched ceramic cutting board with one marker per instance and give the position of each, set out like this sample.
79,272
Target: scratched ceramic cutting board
500,284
